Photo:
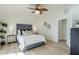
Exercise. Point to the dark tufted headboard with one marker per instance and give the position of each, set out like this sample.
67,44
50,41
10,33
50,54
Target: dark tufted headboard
23,27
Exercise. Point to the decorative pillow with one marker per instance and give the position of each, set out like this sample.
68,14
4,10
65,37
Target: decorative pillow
29,32
19,32
26,32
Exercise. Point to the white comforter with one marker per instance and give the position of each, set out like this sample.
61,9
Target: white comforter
25,40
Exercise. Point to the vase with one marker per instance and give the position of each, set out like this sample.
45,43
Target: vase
77,25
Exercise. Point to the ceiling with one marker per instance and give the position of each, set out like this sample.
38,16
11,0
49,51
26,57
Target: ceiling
11,11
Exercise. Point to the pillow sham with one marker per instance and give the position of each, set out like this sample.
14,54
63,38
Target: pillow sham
19,32
26,32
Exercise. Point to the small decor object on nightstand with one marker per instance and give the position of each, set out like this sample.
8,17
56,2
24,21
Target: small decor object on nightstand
77,24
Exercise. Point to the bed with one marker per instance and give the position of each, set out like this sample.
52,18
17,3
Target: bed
28,40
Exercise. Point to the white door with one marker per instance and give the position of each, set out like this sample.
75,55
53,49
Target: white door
62,26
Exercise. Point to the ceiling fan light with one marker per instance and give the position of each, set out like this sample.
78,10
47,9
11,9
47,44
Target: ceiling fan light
37,12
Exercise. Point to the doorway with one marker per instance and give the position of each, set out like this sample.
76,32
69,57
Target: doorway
62,31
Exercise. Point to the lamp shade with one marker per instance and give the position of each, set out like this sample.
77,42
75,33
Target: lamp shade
34,29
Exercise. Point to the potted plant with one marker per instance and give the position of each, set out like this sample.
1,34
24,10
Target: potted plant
77,24
2,32
2,36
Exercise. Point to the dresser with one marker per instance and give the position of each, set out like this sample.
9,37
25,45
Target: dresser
74,50
11,38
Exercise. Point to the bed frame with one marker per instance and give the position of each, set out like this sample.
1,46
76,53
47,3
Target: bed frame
27,27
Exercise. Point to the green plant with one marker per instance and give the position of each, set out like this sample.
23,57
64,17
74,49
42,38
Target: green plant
3,24
2,31
77,23
2,37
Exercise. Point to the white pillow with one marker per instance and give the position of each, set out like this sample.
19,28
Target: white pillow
26,32
29,32
19,32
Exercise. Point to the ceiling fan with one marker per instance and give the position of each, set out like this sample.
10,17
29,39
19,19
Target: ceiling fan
38,9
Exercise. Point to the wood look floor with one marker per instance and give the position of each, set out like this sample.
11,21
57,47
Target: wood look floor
51,48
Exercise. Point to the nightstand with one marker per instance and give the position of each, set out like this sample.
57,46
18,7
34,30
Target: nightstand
11,38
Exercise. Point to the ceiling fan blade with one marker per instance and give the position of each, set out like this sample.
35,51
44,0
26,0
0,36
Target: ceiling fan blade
31,8
37,5
33,11
44,9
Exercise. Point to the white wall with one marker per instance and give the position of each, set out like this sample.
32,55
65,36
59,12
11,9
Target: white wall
19,14
12,25
52,17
